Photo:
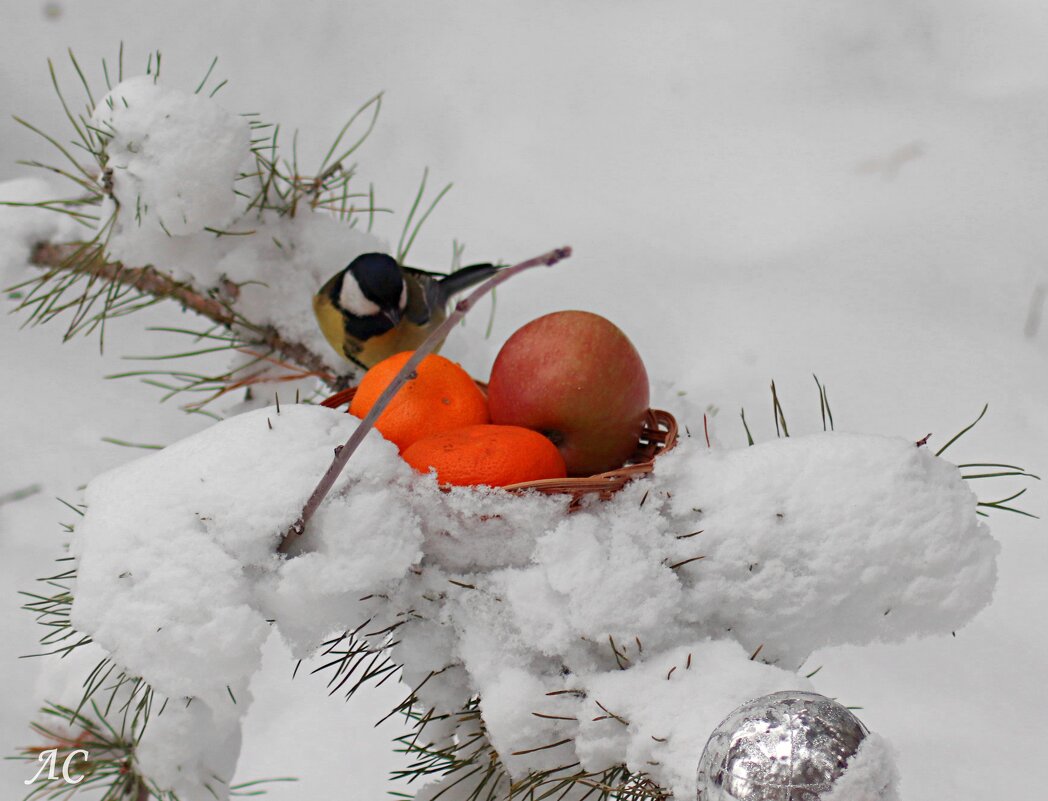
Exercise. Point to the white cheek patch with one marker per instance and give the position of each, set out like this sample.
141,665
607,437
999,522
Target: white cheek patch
353,300
404,297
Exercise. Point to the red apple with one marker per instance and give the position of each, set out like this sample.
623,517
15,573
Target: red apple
577,378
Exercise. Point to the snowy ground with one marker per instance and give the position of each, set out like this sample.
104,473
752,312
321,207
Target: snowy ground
755,190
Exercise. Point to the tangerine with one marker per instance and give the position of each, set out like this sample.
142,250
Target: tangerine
487,454
440,396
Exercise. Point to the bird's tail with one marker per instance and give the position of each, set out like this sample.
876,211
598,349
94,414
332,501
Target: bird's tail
463,279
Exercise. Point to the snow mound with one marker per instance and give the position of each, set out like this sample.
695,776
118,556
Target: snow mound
618,634
174,157
825,540
169,577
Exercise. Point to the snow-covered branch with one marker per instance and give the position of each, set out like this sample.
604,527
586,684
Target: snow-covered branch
149,281
547,617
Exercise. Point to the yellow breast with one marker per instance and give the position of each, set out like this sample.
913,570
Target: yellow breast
405,336
367,352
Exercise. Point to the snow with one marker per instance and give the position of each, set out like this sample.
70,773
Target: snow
802,538
189,743
758,226
174,158
871,774
22,227
180,582
166,571
671,703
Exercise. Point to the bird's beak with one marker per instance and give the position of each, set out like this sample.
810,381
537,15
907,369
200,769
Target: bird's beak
393,315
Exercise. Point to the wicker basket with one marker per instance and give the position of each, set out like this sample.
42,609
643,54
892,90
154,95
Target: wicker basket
658,436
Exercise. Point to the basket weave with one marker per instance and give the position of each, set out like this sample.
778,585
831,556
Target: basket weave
658,436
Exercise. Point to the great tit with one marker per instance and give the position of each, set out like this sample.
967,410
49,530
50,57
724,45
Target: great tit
375,307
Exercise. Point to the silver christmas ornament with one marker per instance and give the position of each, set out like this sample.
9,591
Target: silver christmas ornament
787,746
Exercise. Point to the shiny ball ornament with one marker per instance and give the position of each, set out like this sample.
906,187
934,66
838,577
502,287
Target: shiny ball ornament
787,746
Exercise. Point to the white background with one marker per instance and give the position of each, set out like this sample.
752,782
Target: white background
755,190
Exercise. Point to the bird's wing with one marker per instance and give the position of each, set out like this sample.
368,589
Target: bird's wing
423,295
461,280
438,288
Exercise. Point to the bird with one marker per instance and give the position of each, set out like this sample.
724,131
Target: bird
375,307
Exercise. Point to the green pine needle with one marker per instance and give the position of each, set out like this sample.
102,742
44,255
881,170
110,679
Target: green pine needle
963,431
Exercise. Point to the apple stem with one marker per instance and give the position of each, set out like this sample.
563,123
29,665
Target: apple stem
436,337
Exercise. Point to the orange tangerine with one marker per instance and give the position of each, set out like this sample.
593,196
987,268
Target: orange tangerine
487,454
441,396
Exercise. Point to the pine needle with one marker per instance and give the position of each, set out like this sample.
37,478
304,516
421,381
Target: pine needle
406,239
963,431
749,436
780,418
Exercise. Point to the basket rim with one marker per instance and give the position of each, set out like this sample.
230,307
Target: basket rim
658,436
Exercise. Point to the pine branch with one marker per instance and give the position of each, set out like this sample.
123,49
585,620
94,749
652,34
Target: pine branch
469,764
109,768
354,658
109,771
150,281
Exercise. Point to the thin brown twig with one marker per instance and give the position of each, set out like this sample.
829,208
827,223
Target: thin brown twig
150,281
437,336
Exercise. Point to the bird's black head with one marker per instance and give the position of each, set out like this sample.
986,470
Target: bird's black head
373,285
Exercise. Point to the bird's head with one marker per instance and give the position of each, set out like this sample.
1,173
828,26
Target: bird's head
373,286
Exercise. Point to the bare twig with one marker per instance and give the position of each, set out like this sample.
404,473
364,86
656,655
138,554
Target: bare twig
150,281
437,336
